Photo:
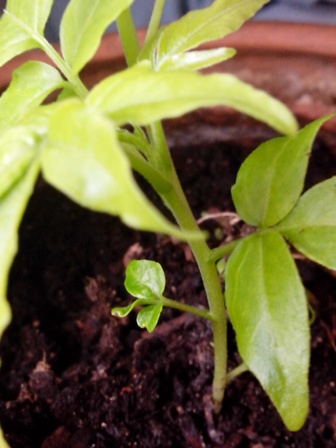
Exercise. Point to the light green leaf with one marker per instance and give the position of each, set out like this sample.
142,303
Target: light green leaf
196,60
3,443
30,85
34,14
149,316
222,17
13,40
271,179
129,97
37,120
122,311
20,15
17,150
12,207
84,160
311,226
82,27
145,279
268,309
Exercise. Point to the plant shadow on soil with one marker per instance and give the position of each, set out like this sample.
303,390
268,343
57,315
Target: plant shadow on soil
73,376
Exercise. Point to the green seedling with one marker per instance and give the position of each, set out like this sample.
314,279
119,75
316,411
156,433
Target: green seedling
264,296
82,145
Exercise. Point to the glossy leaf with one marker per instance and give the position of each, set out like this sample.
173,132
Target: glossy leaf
84,160
311,226
268,309
196,60
22,15
129,97
12,207
83,25
271,179
145,279
222,17
17,150
30,85
148,317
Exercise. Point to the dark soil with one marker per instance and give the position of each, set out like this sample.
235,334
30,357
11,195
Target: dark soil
73,376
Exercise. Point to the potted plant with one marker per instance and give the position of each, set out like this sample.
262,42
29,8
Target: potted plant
86,144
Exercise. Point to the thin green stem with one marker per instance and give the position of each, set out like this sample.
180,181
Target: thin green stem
179,206
131,138
75,81
155,21
236,371
188,309
222,251
160,154
141,166
128,36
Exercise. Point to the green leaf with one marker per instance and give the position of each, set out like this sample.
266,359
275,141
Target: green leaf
271,179
84,160
34,14
222,17
122,311
149,316
196,60
20,15
12,207
30,85
145,279
17,150
311,226
129,97
268,309
37,120
13,40
82,27
3,443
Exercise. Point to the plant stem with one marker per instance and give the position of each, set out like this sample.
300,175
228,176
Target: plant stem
140,165
226,249
128,36
154,23
75,81
179,206
176,201
160,155
236,371
188,309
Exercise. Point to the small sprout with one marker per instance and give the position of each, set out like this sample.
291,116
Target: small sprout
145,280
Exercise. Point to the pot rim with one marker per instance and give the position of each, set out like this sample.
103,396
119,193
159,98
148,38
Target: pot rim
261,37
